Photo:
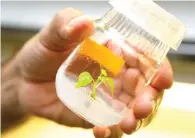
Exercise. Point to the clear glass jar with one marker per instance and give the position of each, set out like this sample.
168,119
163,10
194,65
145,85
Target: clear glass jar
92,82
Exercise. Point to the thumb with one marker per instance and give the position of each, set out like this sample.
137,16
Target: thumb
66,29
41,56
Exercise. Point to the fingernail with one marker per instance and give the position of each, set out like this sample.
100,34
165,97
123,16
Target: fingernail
139,124
108,133
151,101
153,105
69,29
79,19
74,22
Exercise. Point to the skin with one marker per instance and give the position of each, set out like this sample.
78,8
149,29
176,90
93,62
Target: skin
32,75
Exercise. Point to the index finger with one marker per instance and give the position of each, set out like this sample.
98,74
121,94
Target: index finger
135,58
164,78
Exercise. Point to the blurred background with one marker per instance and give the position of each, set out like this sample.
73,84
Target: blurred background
20,20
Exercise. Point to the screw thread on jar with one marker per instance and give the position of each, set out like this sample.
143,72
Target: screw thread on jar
135,34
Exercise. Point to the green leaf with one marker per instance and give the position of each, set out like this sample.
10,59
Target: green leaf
103,72
84,79
110,82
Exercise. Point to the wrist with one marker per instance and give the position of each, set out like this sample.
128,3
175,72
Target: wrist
12,111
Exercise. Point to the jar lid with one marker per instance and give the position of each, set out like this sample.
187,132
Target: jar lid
153,19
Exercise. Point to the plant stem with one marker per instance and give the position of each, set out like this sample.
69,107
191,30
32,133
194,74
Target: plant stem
95,85
93,93
98,84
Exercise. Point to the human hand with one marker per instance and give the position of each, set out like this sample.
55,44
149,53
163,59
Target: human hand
40,59
141,100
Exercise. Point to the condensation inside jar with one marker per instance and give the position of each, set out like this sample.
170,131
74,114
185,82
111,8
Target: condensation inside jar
103,76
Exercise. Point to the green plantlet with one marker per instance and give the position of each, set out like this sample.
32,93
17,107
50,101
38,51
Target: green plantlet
85,79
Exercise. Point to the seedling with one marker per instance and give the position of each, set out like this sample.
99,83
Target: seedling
85,79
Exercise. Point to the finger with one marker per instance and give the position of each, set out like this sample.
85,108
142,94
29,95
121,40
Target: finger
130,56
128,125
101,132
145,102
133,58
68,118
63,115
67,28
114,48
147,66
108,132
116,132
140,85
164,78
125,51
51,107
130,80
125,98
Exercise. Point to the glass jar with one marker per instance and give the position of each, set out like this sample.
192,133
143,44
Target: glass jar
95,81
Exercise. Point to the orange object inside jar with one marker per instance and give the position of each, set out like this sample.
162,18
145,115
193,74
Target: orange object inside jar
102,55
